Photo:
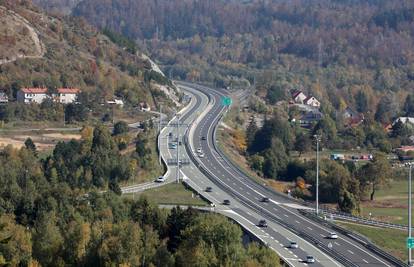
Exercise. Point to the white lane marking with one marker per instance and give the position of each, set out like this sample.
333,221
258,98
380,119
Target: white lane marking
350,252
287,216
297,221
336,243
364,260
309,228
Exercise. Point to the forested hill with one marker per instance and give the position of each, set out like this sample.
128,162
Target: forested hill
52,51
364,45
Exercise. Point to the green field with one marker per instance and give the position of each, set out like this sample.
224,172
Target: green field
391,240
175,194
390,204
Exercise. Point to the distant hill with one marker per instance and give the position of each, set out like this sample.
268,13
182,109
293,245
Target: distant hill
42,50
62,6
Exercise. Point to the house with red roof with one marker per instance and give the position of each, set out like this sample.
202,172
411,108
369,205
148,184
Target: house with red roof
32,95
66,95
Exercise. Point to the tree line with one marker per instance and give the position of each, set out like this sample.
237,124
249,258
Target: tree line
53,213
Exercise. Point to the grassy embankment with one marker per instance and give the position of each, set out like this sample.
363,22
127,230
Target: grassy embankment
391,240
174,194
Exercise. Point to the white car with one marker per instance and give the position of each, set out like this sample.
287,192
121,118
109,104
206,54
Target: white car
201,155
310,259
293,244
160,179
333,236
199,150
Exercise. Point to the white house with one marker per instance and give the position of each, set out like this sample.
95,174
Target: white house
298,97
404,120
32,95
117,102
66,95
3,98
312,101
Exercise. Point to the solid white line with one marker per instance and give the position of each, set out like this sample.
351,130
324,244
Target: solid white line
364,260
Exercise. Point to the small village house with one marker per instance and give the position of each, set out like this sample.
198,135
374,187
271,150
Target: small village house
66,95
3,98
298,97
312,101
32,95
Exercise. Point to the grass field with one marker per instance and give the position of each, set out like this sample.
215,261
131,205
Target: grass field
391,240
175,194
390,204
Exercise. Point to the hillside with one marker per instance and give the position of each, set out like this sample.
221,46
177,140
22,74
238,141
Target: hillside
361,45
42,50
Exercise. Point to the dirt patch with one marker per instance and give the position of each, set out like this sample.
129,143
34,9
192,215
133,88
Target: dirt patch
384,204
4,141
63,136
42,142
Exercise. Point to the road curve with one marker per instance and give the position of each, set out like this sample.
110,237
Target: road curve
280,210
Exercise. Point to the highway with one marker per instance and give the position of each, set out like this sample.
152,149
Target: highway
276,236
281,213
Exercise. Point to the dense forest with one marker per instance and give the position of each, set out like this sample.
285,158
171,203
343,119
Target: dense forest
53,213
364,45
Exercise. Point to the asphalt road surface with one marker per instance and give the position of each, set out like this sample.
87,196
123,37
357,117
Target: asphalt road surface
246,194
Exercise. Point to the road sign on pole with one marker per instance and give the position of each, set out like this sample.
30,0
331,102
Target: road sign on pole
226,101
410,242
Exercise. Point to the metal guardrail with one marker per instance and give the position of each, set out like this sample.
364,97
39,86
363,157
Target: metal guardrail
361,220
337,255
357,238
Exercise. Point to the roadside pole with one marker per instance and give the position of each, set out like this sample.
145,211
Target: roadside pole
178,148
317,137
159,135
409,215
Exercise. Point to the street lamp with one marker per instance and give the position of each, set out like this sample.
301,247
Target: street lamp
409,165
318,139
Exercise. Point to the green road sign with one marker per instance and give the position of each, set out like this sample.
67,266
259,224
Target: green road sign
410,242
226,101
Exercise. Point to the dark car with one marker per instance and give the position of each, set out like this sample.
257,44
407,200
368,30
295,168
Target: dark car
262,223
226,202
203,138
265,199
170,134
209,189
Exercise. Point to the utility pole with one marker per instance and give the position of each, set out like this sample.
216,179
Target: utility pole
318,139
159,134
178,148
410,263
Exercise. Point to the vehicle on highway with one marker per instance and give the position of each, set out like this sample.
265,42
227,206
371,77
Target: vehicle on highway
160,179
310,259
170,134
172,145
262,223
265,199
203,138
201,155
226,202
293,244
199,150
333,236
209,189
180,143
